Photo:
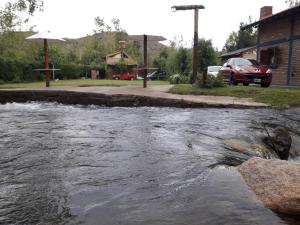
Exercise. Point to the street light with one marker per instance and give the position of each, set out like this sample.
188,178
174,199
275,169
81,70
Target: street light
195,55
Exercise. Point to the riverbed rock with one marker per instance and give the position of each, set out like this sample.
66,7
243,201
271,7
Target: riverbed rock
295,148
280,142
275,182
248,148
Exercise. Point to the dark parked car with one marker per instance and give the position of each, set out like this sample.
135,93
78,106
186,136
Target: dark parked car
240,70
157,75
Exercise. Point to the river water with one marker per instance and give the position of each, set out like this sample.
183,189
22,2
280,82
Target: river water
94,165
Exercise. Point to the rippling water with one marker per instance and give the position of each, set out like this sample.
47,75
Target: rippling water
91,165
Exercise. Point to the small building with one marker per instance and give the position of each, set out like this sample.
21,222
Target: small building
278,44
112,61
246,53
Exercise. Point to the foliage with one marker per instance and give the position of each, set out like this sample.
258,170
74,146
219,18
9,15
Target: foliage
14,46
122,67
211,81
160,61
72,71
10,16
14,70
183,61
207,54
178,60
179,79
241,39
292,3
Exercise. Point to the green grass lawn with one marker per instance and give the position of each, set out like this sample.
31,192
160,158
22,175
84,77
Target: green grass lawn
81,83
280,98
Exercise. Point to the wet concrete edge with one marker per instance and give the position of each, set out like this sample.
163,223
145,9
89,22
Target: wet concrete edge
116,100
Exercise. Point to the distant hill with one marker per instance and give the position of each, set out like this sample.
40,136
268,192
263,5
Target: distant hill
153,46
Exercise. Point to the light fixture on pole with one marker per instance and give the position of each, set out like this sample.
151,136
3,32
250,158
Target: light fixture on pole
195,55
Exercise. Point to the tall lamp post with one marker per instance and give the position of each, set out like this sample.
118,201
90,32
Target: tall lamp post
195,55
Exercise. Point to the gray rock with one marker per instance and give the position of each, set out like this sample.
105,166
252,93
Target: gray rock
280,142
275,182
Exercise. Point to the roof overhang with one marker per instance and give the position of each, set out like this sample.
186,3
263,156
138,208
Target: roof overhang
149,38
238,52
285,13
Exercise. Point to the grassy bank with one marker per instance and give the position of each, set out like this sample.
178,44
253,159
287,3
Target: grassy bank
81,83
276,97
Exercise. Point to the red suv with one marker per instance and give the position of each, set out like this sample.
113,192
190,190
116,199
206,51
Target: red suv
245,71
124,76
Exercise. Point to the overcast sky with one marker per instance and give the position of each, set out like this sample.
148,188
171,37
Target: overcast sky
75,18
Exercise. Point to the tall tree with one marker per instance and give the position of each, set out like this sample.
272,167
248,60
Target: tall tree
292,3
208,55
183,61
9,13
241,39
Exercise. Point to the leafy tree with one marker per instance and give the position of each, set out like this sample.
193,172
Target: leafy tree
183,61
241,39
160,61
207,54
231,42
292,3
9,14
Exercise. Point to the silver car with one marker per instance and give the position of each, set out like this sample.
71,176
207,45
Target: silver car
213,70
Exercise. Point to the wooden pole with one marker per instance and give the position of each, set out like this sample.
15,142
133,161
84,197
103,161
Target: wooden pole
195,55
46,63
145,61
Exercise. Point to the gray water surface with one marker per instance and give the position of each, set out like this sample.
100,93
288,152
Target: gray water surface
91,165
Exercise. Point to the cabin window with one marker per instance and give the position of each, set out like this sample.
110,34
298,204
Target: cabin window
270,57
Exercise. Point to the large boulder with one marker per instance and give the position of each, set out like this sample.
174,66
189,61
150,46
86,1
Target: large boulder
275,182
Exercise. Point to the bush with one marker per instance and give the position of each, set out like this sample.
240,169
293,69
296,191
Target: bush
179,79
14,70
70,71
211,81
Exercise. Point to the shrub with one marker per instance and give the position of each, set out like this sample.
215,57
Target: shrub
179,79
14,70
71,71
211,81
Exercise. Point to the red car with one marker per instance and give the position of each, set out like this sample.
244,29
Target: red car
124,76
245,71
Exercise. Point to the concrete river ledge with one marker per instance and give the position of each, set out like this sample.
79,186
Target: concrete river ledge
127,96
